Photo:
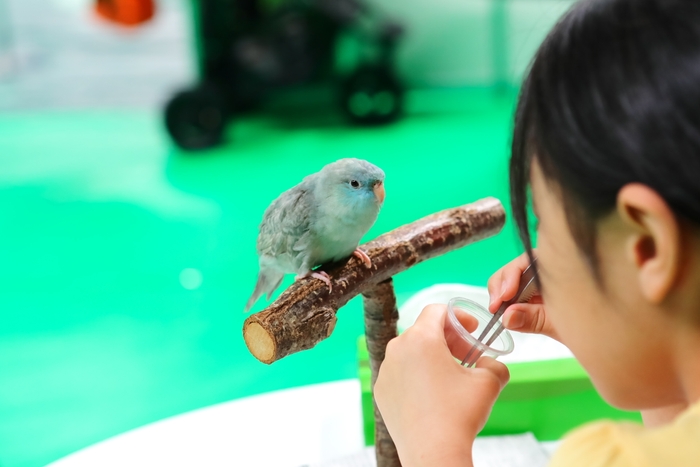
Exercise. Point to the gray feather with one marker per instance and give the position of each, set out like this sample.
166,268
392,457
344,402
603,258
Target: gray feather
284,239
285,228
268,281
319,220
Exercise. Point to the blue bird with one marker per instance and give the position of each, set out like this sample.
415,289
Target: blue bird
322,219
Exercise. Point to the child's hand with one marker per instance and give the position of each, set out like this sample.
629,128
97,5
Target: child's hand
529,317
432,406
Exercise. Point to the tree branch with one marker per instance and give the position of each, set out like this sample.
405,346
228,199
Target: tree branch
305,313
381,317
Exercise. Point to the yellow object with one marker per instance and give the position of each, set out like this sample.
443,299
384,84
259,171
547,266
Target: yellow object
610,444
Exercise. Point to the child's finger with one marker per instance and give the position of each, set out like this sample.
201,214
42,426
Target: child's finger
503,285
528,318
495,367
432,316
469,322
455,342
459,348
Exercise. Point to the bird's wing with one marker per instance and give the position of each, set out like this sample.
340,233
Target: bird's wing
285,228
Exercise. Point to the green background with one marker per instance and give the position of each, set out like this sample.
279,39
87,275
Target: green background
100,214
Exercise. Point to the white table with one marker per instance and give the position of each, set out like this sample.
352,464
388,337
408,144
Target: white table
290,428
287,428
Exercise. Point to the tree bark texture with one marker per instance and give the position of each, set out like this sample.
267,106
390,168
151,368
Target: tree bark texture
305,313
381,317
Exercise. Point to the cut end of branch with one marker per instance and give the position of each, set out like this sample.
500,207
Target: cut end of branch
259,342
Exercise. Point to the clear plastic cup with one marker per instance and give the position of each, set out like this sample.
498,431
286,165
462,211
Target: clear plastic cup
460,340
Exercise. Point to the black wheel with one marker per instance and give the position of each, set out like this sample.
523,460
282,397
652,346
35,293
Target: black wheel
196,118
372,95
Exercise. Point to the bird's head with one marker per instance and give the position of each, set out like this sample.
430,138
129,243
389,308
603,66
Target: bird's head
354,181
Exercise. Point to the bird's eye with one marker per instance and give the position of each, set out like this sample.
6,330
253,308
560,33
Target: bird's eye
355,184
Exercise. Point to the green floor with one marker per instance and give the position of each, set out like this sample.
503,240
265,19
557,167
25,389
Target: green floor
99,215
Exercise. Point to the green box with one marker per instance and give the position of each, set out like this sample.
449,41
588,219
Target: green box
547,398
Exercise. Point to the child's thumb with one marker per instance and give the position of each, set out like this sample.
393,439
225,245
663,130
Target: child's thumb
529,318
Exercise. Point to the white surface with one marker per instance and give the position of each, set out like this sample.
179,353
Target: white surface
488,451
509,451
528,347
287,428
550,446
311,425
315,426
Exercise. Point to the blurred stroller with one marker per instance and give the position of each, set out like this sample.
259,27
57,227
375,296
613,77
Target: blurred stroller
250,48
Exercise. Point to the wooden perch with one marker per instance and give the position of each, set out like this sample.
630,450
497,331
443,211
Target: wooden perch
305,313
381,317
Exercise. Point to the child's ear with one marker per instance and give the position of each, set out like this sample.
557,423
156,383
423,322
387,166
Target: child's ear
654,240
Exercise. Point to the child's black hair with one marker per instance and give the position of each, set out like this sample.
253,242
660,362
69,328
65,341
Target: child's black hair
612,97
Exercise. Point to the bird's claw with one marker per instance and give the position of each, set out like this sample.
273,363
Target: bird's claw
321,275
362,256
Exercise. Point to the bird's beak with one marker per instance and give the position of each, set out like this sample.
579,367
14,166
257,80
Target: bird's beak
379,192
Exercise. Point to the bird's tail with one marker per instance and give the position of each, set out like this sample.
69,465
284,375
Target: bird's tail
268,281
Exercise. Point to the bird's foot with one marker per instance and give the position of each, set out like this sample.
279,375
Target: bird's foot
362,256
321,275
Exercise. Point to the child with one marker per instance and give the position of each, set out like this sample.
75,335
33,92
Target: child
607,136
